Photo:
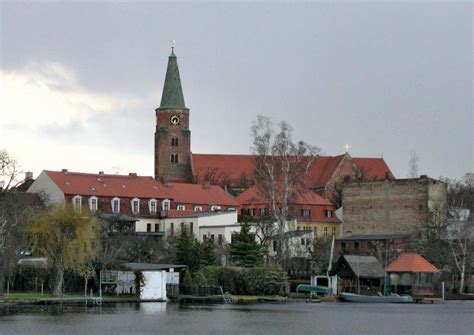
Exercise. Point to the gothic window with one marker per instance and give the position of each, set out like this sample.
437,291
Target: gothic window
174,142
174,158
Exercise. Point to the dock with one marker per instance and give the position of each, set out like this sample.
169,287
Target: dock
71,300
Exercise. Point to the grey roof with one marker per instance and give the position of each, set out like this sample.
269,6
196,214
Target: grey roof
198,215
365,266
373,237
151,267
172,96
117,217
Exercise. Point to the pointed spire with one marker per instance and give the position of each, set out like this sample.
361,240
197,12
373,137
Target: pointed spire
172,96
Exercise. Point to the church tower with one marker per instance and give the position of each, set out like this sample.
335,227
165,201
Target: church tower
172,134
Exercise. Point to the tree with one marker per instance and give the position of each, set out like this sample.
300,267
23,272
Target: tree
281,166
13,207
65,237
245,251
413,164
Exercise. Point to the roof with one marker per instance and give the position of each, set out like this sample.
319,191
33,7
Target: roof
199,194
151,267
220,167
172,96
253,196
108,185
131,186
374,237
117,217
411,262
373,168
361,266
174,213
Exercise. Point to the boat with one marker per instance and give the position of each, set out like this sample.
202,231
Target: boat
351,297
311,289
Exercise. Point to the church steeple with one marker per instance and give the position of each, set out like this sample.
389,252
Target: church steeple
172,91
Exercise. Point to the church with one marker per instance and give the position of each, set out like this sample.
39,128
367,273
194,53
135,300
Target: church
174,160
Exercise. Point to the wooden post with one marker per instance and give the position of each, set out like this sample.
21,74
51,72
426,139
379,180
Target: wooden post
442,289
41,286
8,286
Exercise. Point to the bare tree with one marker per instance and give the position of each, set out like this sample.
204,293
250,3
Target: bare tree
10,213
413,164
280,169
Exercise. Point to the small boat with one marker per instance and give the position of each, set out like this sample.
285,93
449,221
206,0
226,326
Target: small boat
311,289
375,298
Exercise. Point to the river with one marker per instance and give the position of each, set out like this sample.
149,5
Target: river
452,317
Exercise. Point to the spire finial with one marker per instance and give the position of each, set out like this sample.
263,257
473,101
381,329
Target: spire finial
347,147
173,45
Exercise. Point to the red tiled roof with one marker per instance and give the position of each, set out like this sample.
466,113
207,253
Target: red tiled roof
199,195
322,169
411,262
174,213
106,185
225,166
253,196
373,168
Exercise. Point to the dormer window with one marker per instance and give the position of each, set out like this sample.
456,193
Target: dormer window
135,205
115,202
198,208
93,203
215,208
77,203
328,213
165,205
305,213
152,204
180,207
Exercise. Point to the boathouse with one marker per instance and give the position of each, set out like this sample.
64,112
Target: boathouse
411,274
359,274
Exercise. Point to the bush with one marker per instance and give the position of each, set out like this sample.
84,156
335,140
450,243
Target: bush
254,281
187,279
200,279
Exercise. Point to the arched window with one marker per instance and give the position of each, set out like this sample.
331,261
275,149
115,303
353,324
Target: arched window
174,142
174,158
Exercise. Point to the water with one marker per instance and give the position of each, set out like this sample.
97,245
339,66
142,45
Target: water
452,317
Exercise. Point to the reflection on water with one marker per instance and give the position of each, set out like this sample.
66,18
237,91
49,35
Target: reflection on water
297,317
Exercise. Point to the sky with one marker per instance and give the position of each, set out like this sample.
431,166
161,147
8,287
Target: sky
79,81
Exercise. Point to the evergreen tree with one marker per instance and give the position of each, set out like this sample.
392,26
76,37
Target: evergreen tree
207,253
186,252
245,251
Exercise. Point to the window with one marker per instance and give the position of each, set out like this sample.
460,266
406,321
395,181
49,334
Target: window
148,227
174,158
198,208
215,208
172,228
182,226
328,213
165,205
231,209
157,227
275,245
219,239
77,203
343,245
356,245
135,206
212,238
303,241
152,206
334,231
115,205
174,142
180,207
316,231
305,213
325,231
93,203
263,212
252,211
191,229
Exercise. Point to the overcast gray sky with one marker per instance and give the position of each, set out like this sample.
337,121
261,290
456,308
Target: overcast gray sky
80,81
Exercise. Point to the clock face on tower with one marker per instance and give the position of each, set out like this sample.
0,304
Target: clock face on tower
174,119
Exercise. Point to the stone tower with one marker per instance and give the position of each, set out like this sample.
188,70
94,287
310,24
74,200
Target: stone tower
172,134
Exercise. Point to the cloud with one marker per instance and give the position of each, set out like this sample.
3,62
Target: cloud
49,120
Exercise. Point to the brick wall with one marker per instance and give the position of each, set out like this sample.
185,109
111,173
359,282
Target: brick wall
390,206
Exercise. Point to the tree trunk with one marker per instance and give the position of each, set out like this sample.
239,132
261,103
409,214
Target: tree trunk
2,277
461,281
85,287
58,282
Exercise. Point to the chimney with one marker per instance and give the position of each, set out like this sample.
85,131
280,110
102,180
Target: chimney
132,174
64,170
28,175
101,172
